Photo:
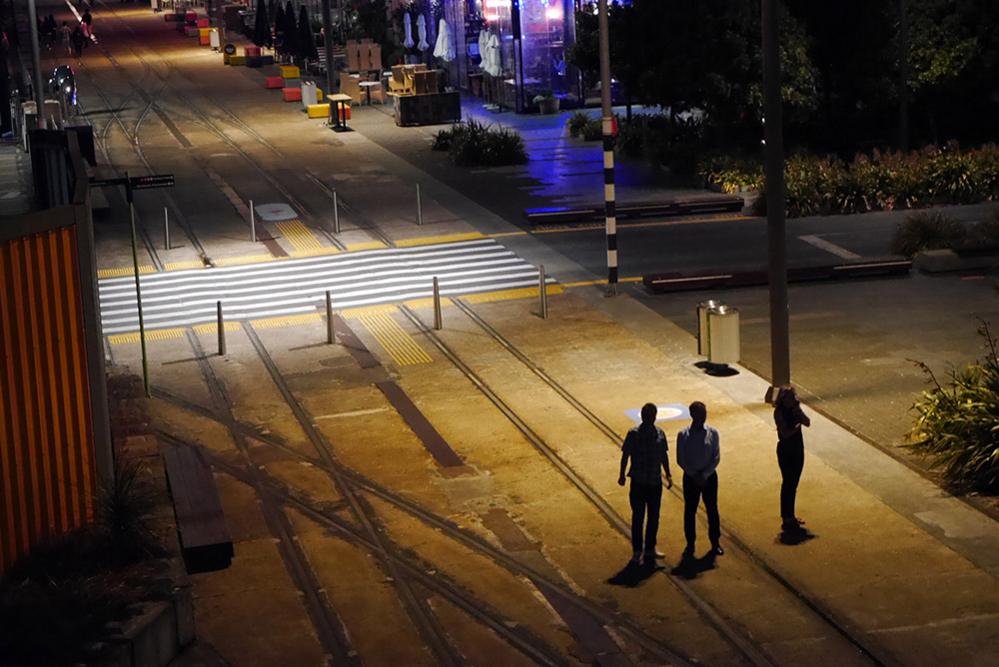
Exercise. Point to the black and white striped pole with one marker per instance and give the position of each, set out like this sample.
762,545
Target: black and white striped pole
610,212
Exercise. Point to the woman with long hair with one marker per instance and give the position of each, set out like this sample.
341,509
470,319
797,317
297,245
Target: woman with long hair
789,418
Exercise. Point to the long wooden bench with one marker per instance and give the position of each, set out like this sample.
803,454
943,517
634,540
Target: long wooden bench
204,539
668,207
757,276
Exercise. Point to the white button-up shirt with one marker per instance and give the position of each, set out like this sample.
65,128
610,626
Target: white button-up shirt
697,451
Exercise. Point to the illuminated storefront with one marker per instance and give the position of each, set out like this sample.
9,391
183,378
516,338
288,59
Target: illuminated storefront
510,51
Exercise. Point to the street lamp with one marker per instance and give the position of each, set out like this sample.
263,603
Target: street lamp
780,355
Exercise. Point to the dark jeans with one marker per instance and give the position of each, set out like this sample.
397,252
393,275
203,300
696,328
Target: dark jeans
693,491
791,459
645,499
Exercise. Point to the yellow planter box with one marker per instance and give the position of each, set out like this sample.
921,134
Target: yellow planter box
319,110
204,32
237,60
290,72
319,94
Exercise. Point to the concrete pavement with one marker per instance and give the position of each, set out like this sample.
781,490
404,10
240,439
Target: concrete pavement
900,567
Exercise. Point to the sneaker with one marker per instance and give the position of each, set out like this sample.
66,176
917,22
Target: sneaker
637,557
655,553
717,550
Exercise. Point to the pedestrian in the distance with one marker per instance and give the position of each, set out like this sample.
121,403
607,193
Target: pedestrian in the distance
698,454
789,418
65,32
78,41
648,450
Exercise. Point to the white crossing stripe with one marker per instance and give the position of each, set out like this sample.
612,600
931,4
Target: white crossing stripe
298,286
829,247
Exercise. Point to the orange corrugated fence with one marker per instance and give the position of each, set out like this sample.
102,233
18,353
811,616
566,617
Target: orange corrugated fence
47,471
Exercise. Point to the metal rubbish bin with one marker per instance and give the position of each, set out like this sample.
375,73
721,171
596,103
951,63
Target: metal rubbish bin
309,94
702,324
723,335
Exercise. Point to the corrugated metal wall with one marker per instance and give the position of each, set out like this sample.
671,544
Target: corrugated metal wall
47,470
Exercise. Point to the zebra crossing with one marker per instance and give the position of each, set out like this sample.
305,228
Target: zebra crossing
298,286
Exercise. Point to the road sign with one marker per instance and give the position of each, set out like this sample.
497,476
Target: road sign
152,181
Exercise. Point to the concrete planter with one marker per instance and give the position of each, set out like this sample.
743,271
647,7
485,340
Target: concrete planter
154,636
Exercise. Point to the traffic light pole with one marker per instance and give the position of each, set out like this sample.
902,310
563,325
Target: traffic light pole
780,355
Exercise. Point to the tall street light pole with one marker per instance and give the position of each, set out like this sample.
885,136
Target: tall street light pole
610,213
903,74
36,63
780,354
328,45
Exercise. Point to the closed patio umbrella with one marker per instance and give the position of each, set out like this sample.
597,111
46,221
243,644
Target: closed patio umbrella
421,30
407,24
444,48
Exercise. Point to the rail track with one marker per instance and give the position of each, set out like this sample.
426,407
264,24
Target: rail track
874,656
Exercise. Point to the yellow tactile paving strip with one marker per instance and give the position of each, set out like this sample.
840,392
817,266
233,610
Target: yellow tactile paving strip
301,237
286,321
155,334
122,271
447,238
187,264
365,245
393,338
509,294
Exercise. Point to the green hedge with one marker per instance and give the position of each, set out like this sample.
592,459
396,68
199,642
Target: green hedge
876,182
473,144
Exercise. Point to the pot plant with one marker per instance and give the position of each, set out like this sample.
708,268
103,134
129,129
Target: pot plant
546,102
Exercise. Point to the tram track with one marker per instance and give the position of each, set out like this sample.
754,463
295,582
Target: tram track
623,625
875,656
214,127
406,574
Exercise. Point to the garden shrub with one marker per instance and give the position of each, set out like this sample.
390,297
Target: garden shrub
576,123
881,181
593,130
956,422
472,144
985,234
926,230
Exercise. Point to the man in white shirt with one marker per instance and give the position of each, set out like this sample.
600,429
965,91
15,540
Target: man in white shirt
698,454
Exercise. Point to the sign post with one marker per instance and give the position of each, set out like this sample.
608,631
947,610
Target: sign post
131,184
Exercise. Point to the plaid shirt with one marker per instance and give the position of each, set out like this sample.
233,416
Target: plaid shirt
647,447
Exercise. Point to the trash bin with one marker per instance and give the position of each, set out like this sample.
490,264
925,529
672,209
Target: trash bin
309,94
702,324
52,112
723,335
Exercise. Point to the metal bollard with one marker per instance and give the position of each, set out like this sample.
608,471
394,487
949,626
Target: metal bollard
166,228
419,205
336,214
438,319
253,223
330,333
543,292
221,328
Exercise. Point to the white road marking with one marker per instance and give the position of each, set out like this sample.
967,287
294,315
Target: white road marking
829,246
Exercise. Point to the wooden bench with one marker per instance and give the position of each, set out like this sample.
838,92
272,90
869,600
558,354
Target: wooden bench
204,539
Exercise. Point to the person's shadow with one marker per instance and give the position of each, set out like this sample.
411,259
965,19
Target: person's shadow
633,574
794,536
690,567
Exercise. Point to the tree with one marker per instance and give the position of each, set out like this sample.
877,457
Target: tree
290,31
279,25
261,26
305,43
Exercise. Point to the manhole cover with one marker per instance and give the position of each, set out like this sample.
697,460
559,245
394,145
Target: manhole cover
275,212
667,412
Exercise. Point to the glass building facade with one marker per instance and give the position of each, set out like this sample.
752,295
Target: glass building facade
510,51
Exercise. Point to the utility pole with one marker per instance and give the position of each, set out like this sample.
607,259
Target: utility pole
780,354
328,46
610,213
903,75
138,289
36,63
